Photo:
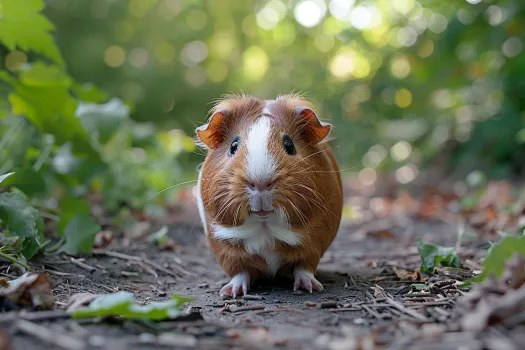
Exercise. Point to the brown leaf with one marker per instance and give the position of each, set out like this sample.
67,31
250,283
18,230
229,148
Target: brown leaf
5,340
103,238
379,292
30,289
405,275
80,299
497,301
382,234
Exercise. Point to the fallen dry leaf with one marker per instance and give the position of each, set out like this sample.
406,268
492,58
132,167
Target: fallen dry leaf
29,290
5,340
496,301
80,299
258,334
405,275
382,234
103,238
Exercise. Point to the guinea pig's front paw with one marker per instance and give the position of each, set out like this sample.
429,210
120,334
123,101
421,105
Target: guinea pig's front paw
239,283
306,280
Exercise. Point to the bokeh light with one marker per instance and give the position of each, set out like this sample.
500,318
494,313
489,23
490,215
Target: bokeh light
309,13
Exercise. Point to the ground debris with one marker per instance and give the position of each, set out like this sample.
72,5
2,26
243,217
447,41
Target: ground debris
497,301
29,290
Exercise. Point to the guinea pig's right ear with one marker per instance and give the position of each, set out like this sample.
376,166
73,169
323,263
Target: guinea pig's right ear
212,133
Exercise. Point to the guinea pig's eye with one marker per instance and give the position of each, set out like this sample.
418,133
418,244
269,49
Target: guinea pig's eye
234,145
288,145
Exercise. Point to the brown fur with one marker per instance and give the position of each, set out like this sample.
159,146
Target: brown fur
308,184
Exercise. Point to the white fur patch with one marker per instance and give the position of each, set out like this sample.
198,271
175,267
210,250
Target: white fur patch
260,235
260,166
200,203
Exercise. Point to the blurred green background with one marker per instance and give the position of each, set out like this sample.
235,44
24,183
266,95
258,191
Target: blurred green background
402,81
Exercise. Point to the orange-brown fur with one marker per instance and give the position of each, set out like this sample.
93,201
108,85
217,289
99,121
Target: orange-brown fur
310,180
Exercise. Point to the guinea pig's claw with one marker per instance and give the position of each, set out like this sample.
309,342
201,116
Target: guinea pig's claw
307,281
239,283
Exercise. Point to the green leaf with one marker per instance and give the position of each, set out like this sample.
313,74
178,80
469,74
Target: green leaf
433,255
23,26
20,218
69,208
160,237
123,304
28,181
498,254
42,96
5,176
419,286
103,120
80,234
89,93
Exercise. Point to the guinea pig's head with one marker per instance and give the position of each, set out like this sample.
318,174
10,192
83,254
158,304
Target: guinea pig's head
264,159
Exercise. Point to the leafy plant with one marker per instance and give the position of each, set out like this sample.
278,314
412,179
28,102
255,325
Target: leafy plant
433,255
123,304
498,254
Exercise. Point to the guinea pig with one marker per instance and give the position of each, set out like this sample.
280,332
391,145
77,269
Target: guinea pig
269,190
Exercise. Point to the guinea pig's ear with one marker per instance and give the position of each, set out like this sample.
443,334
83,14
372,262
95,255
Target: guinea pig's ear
315,130
212,134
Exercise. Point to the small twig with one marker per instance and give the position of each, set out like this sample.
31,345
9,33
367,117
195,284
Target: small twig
160,267
406,310
280,309
116,255
343,309
83,265
253,297
64,274
45,335
372,312
10,317
247,308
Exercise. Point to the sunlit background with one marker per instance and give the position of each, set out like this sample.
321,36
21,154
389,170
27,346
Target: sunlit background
403,81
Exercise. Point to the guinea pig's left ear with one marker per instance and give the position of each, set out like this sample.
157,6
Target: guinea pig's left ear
315,130
211,134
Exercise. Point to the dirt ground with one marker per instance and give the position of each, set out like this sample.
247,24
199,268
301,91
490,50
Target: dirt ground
364,305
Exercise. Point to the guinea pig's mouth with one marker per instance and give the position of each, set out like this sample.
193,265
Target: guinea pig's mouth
262,213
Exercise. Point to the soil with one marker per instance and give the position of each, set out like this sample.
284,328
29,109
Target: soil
357,273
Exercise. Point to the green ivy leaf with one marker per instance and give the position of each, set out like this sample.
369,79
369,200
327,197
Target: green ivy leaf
22,220
23,26
5,176
42,96
433,255
80,234
123,304
498,254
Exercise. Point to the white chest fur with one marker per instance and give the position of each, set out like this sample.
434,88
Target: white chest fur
259,237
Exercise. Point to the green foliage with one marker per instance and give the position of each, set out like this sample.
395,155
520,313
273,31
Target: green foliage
42,96
23,27
433,255
79,234
23,221
5,176
123,304
498,254
60,139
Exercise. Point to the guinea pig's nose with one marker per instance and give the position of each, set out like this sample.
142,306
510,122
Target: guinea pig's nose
260,185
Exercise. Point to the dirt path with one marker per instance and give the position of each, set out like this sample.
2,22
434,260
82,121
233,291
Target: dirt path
357,273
